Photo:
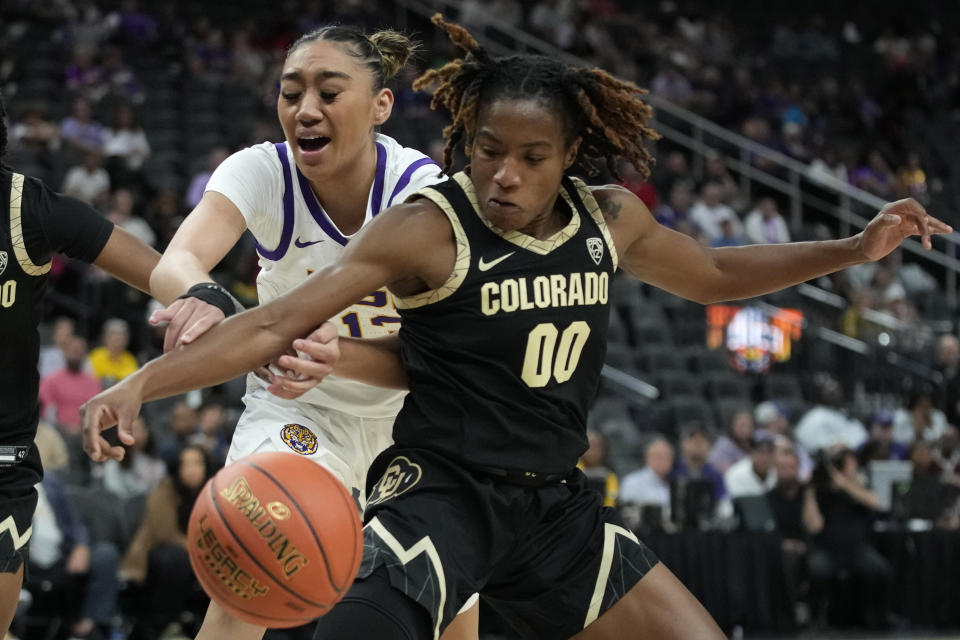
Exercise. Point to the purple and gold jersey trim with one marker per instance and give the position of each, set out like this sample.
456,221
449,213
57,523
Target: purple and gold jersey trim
407,174
287,233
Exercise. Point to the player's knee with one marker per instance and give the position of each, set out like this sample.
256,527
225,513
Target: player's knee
374,609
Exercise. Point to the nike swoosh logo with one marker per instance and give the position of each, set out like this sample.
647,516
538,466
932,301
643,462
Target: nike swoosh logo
484,266
305,244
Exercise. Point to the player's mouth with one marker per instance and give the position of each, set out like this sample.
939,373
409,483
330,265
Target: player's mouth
310,145
501,206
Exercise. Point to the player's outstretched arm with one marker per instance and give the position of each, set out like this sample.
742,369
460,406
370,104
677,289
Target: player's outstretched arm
374,361
127,258
201,242
409,247
678,264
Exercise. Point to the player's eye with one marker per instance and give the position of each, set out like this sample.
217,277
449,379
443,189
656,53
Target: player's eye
328,96
290,96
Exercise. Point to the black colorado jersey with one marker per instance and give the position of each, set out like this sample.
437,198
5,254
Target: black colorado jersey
35,223
505,358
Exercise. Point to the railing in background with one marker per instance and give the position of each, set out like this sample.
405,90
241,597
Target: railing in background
852,209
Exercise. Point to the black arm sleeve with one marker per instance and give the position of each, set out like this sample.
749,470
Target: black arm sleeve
55,223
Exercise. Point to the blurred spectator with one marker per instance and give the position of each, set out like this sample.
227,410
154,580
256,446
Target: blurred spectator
773,418
729,237
213,432
184,425
80,131
671,84
670,170
64,391
874,175
118,78
64,560
651,484
121,214
754,475
715,171
881,445
89,181
53,356
826,167
83,76
927,498
798,518
600,477
913,180
125,146
734,444
919,420
140,471
947,363
112,362
675,212
765,225
709,212
692,462
947,452
34,134
157,558
198,184
827,423
633,181
848,509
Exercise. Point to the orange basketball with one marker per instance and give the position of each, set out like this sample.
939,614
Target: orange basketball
275,539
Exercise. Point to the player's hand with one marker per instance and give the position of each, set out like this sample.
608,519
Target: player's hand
187,319
896,222
317,354
119,405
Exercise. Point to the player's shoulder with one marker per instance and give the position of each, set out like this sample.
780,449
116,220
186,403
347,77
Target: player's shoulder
406,163
263,156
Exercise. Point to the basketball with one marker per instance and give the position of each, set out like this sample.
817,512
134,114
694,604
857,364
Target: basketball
275,539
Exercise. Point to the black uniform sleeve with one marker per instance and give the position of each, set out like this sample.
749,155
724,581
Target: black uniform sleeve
55,223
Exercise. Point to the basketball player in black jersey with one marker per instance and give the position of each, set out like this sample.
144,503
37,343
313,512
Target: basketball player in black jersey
501,276
35,223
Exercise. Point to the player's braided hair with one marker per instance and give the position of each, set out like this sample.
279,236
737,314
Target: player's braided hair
384,53
606,113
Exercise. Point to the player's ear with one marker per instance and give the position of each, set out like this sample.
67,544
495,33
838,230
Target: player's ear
571,153
383,106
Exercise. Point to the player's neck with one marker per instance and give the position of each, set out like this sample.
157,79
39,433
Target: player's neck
344,196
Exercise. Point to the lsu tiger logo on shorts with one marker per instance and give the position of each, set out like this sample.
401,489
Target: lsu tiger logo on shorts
401,476
299,438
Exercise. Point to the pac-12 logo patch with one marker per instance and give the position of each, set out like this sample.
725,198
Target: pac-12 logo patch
299,438
3,262
401,476
595,247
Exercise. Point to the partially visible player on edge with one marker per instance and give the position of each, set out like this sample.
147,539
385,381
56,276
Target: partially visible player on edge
35,223
304,200
501,276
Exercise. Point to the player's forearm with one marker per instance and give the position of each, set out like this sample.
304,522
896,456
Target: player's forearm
128,259
176,272
375,362
746,272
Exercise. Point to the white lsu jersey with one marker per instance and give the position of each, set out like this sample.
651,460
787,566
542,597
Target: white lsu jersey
295,237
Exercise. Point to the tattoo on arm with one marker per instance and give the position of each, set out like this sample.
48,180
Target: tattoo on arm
611,209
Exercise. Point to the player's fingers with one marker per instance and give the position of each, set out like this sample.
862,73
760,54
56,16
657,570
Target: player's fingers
201,322
262,372
324,333
177,326
316,369
328,352
161,316
96,418
289,389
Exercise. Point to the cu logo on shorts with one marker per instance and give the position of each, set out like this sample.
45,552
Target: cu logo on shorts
401,476
299,438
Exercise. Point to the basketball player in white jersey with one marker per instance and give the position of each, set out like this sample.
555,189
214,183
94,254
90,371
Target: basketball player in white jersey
303,200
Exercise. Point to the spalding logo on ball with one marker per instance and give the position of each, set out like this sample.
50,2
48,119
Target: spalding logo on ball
275,539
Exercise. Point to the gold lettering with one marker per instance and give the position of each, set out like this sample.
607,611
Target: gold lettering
294,563
525,303
509,297
541,291
488,304
604,287
590,286
239,491
559,285
576,290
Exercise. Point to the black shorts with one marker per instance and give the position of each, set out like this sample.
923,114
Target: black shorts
549,559
18,501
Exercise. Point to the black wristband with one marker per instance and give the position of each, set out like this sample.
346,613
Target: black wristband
213,294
